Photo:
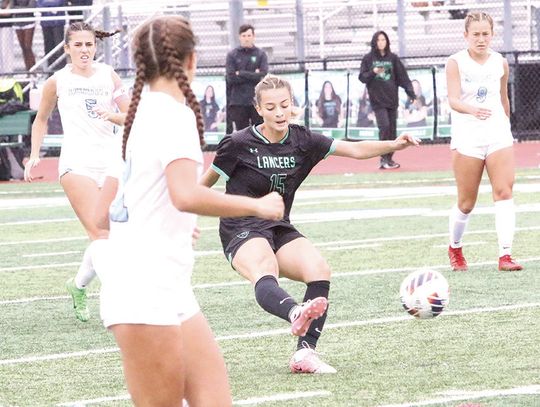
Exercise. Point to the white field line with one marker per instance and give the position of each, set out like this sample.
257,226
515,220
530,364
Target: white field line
247,402
40,266
32,191
276,332
333,216
442,246
282,397
281,279
39,222
52,254
54,240
358,246
377,239
473,395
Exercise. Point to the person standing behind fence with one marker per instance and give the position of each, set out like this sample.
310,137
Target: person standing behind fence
24,29
246,65
477,80
383,73
78,15
53,31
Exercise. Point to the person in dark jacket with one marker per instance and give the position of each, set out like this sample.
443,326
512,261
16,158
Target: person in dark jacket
53,31
246,66
383,73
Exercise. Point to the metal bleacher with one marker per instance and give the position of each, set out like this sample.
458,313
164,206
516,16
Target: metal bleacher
338,29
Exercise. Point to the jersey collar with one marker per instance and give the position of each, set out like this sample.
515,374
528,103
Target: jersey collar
259,134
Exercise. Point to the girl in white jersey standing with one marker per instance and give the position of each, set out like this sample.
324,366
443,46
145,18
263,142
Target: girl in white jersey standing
477,80
87,93
147,301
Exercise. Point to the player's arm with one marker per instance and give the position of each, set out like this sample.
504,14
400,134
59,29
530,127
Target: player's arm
366,70
453,83
121,99
504,88
39,127
368,149
209,178
188,195
231,71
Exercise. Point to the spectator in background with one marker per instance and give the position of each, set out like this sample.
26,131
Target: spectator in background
24,29
415,111
5,34
366,117
329,106
78,15
53,31
383,73
246,65
210,109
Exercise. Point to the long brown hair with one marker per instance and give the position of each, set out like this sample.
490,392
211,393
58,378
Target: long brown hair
161,46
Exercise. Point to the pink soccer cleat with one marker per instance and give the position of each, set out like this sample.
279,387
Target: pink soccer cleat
305,313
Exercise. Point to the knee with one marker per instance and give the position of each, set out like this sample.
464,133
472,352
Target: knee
502,194
466,205
320,271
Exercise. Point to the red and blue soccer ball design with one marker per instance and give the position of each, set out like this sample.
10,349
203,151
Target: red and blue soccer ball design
424,293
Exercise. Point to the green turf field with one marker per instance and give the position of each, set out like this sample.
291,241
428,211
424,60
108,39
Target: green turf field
372,228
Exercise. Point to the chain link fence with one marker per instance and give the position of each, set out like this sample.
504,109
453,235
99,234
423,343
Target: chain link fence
335,37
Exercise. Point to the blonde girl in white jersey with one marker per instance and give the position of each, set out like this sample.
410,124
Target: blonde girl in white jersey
87,92
477,80
146,299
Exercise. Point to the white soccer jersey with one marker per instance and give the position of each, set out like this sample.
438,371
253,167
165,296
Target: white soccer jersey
89,141
163,131
145,266
480,86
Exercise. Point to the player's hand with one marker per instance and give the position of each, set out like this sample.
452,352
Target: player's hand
378,70
102,113
406,140
31,163
481,113
271,206
195,236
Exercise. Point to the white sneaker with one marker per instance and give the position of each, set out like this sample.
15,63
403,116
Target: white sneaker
306,360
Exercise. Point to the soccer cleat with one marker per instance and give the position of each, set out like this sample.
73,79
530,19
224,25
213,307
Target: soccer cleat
306,360
457,261
305,313
506,263
79,300
390,165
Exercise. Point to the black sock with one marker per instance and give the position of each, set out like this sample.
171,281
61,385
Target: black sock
315,289
272,298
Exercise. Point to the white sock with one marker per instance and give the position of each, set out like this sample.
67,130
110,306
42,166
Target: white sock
505,224
457,223
86,272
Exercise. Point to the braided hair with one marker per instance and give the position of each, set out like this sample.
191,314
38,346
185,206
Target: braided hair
82,26
162,46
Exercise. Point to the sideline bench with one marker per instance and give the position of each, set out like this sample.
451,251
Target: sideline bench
14,127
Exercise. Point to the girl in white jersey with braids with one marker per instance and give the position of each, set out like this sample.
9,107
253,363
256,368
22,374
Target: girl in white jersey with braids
145,266
87,93
477,80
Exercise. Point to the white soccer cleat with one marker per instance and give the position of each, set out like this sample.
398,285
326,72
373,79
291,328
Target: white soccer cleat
306,360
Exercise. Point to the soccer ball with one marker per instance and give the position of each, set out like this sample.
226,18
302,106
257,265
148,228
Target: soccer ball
424,293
